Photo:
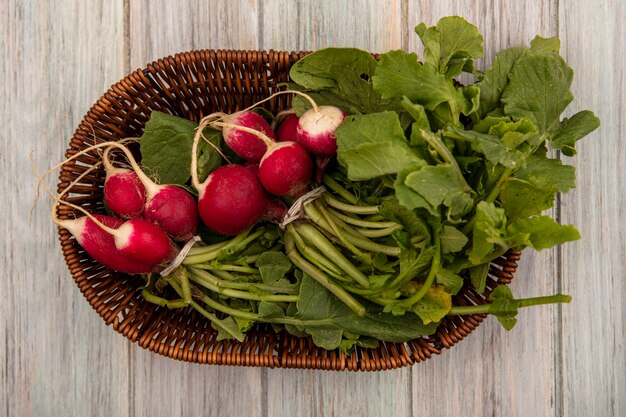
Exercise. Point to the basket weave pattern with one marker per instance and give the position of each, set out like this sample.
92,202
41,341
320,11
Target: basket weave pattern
192,85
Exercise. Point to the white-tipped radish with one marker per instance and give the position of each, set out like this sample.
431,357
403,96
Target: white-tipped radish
286,169
143,241
231,200
170,207
245,144
316,129
93,233
124,194
100,244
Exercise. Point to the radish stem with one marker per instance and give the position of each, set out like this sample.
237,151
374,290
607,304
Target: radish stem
320,277
349,207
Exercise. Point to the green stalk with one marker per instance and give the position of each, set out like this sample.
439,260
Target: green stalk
212,317
205,249
364,243
447,156
361,223
310,234
491,197
315,257
244,295
249,286
317,275
430,278
379,232
336,187
523,302
256,317
335,230
232,268
163,302
239,240
349,207
183,276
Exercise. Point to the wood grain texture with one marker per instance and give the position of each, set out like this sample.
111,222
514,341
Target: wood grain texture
373,26
157,29
57,356
493,372
594,272
160,28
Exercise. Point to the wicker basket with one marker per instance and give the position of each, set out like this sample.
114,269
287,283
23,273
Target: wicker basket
192,85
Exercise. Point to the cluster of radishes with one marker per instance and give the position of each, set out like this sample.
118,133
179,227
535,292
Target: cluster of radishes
151,217
234,197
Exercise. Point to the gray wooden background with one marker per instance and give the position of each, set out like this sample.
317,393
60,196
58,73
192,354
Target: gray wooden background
57,358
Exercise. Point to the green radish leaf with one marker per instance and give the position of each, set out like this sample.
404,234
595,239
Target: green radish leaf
166,149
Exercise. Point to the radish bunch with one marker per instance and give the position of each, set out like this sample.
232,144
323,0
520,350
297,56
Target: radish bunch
235,197
151,218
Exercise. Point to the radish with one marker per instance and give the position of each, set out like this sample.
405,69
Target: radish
143,241
115,243
124,194
245,144
169,206
231,199
316,129
100,245
288,128
275,211
286,166
138,240
286,169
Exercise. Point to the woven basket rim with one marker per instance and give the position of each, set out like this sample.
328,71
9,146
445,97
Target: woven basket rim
180,334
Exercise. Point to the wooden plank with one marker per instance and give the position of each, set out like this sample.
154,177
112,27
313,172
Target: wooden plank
57,357
493,372
160,28
373,26
594,329
308,25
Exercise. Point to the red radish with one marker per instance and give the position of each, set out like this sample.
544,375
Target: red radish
139,241
100,244
286,169
288,128
170,207
231,199
124,194
174,210
276,210
316,129
143,241
244,143
321,165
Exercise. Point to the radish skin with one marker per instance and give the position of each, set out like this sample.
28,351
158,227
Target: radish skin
124,194
170,207
245,144
231,200
100,244
316,130
143,241
286,169
174,210
288,129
